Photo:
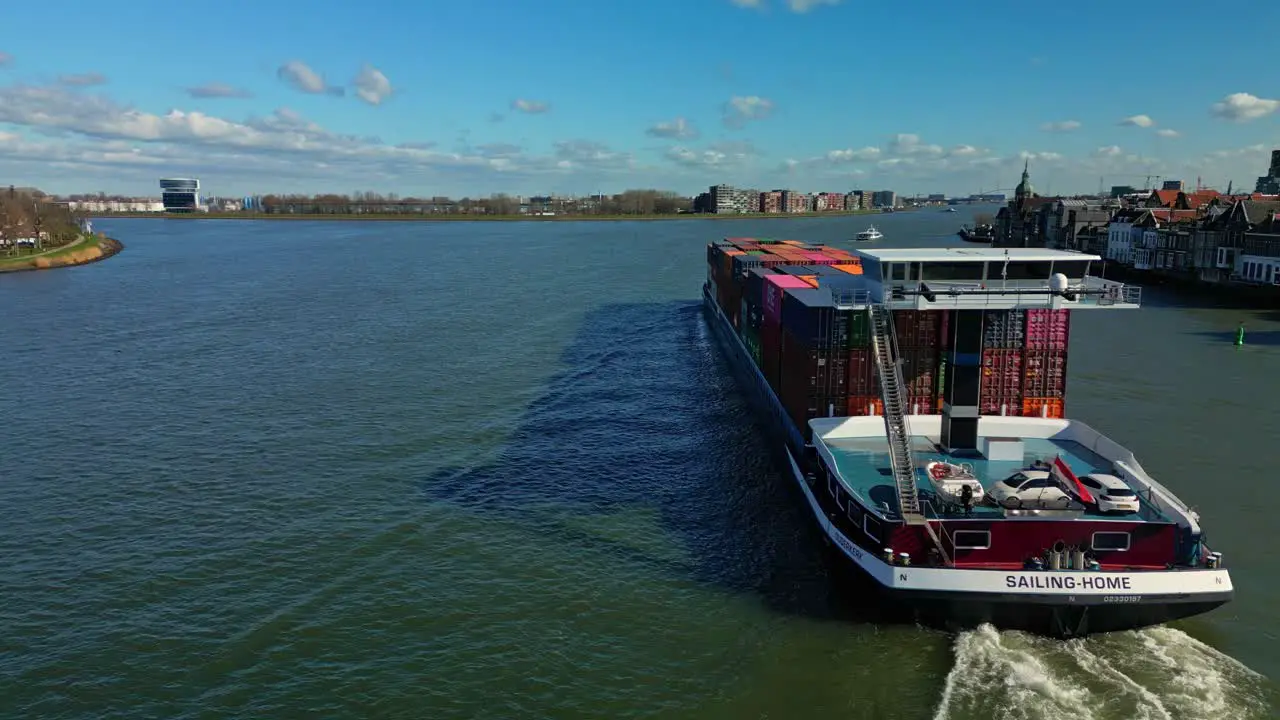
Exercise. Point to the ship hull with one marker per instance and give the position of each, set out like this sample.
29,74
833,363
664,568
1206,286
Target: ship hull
954,599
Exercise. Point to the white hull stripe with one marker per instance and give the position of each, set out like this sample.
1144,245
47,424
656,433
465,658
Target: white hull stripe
1062,585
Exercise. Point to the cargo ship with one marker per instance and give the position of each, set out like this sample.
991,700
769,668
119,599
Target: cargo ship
873,365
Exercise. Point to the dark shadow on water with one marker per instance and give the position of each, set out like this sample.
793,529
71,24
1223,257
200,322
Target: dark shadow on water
1261,338
647,418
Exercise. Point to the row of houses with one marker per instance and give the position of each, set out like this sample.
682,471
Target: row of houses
1200,235
727,199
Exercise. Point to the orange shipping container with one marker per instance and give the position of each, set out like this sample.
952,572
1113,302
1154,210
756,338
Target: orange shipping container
851,269
1043,407
863,405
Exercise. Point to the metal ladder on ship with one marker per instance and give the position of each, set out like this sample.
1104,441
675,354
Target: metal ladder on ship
889,371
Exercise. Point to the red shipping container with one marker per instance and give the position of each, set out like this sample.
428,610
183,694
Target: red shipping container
813,373
944,329
1048,329
1000,388
1045,374
917,328
922,404
920,370
862,373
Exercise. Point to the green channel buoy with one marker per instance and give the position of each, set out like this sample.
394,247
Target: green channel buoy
1240,335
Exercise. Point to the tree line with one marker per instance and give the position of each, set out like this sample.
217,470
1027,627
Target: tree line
630,202
31,215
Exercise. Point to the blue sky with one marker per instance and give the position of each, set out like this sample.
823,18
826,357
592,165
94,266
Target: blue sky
426,98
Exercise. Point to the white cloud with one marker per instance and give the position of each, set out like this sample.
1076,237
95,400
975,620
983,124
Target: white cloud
1108,151
371,85
966,151
217,90
909,144
849,155
1041,156
1243,107
94,131
590,154
83,80
739,110
730,155
679,129
696,158
1167,133
5,59
1061,126
1142,121
303,79
531,107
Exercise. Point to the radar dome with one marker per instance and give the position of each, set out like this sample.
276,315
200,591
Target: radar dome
1058,282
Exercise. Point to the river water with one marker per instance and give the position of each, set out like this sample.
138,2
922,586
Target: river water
499,470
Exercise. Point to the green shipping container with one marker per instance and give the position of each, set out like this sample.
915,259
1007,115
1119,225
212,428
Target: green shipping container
757,252
751,338
942,378
859,331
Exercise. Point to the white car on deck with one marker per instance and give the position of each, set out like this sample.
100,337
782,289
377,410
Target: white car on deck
1031,490
1111,493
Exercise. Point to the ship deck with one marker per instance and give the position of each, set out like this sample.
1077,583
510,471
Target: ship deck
863,463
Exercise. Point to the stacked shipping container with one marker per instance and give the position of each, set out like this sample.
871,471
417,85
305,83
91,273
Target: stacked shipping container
818,359
1044,383
1024,362
920,347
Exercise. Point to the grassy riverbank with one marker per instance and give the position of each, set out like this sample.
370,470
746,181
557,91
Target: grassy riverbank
480,218
90,248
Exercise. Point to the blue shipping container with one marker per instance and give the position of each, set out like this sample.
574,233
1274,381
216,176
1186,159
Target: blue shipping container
810,316
743,263
754,292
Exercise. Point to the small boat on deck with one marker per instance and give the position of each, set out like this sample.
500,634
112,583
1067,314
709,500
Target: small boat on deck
870,233
949,481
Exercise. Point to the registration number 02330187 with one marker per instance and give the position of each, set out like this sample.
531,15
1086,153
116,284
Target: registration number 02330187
1121,598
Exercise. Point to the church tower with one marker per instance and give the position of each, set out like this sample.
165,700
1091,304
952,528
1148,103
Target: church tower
1024,190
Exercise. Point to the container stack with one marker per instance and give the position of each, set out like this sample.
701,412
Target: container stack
1003,351
920,346
1044,384
813,372
778,294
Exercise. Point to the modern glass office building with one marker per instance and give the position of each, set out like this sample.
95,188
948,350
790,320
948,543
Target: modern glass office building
180,194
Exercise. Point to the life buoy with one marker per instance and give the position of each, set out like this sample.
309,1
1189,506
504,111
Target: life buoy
938,471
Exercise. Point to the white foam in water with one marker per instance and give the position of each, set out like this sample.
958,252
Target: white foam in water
1154,674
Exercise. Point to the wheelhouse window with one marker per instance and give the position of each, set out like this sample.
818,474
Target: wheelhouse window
871,527
971,539
1021,271
1110,541
954,271
855,512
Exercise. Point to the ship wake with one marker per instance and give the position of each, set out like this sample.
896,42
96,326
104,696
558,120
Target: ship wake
1158,673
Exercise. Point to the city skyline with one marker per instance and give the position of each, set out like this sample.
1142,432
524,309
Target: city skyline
753,93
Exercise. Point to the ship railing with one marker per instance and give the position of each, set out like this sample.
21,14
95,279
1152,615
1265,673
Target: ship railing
851,298
1091,291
